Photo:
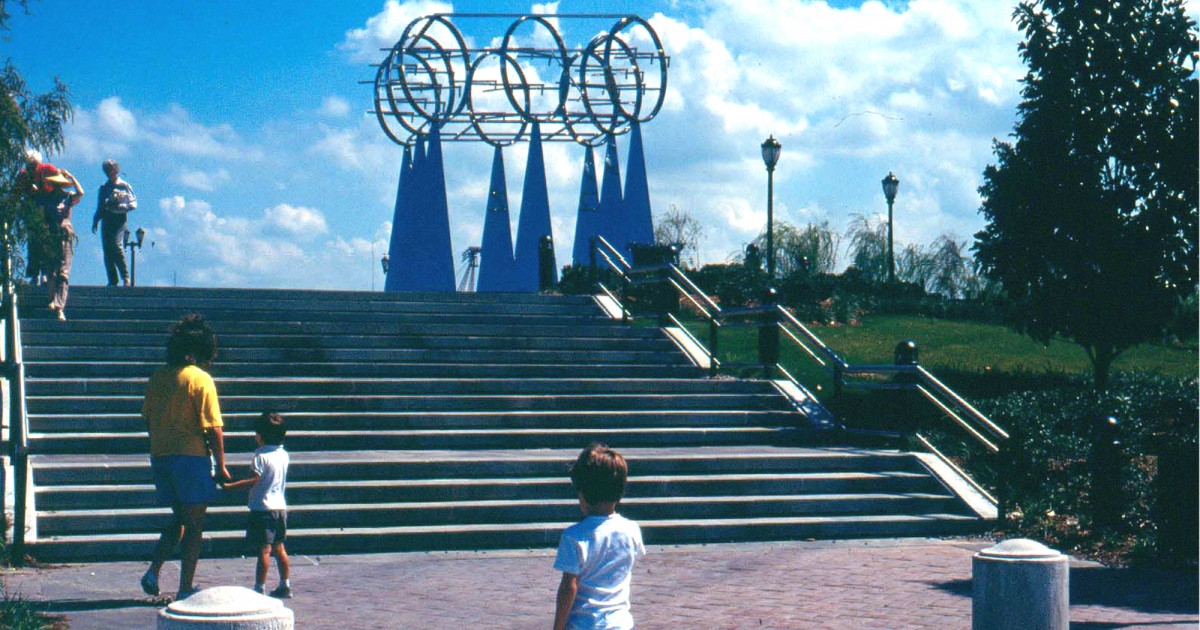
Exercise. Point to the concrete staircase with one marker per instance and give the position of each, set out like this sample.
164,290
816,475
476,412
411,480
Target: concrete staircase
440,421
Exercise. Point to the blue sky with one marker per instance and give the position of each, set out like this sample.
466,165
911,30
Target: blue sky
243,127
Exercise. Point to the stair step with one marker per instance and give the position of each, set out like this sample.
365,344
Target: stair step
433,439
110,294
364,355
352,342
40,329
235,386
301,404
385,491
521,535
232,518
439,369
71,470
428,421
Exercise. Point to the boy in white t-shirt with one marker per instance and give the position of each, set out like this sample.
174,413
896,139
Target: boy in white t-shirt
266,529
596,554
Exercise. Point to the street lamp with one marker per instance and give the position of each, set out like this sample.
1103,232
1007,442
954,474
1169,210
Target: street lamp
890,185
770,154
383,262
133,245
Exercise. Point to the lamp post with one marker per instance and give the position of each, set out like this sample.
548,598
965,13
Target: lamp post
890,185
770,154
133,245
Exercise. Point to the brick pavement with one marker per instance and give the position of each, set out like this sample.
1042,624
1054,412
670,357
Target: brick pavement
894,584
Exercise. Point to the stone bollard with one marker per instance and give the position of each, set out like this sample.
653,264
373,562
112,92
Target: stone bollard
1020,585
226,608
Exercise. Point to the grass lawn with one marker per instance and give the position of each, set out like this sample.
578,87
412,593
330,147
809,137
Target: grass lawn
965,354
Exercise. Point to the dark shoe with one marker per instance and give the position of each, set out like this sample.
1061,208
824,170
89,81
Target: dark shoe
182,595
283,592
150,584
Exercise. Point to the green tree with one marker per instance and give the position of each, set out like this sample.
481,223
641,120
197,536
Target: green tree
27,121
915,265
1092,208
679,227
868,247
811,250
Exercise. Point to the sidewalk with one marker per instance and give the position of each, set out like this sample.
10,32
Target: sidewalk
900,583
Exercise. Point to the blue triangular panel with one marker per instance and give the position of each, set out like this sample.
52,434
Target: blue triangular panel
610,198
496,252
587,219
401,238
424,260
635,204
534,222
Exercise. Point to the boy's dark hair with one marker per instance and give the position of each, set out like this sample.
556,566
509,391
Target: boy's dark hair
599,474
192,341
270,428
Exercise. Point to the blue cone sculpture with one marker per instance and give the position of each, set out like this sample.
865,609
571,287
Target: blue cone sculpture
587,218
534,222
637,223
610,198
496,264
401,239
423,260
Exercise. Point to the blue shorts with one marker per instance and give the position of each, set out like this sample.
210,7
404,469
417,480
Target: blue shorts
183,480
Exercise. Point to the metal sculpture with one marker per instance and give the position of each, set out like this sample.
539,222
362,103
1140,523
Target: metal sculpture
433,87
432,78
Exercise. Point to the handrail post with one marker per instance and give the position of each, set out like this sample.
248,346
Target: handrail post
713,328
592,259
625,297
768,336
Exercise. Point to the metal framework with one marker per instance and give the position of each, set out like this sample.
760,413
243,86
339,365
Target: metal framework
432,77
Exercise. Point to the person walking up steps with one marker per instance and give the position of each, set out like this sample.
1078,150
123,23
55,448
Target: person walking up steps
183,416
596,555
266,529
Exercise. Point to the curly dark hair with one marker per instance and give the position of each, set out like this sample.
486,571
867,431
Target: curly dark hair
192,341
599,474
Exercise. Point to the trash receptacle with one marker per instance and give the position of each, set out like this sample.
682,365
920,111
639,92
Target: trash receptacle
1020,584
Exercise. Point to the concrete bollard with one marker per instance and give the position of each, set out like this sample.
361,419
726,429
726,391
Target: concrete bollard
1020,584
226,608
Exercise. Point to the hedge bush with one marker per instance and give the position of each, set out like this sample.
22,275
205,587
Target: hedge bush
1044,475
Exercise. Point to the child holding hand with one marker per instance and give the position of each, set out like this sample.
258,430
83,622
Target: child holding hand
266,529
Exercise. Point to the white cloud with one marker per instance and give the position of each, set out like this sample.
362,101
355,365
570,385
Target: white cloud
202,180
112,118
384,29
335,107
297,221
217,249
176,131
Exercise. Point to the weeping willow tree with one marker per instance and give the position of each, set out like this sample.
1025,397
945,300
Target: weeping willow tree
28,120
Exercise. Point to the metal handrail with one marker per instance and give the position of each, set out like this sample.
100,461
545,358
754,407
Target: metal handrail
962,413
18,418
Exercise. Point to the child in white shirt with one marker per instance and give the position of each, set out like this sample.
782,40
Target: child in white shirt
266,529
596,555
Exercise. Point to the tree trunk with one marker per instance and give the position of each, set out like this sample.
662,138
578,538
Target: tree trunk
1102,360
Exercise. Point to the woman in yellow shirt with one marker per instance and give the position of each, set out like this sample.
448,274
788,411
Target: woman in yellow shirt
183,416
